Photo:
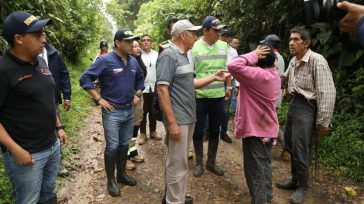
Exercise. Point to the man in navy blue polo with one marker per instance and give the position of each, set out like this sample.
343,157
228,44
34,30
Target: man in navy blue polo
121,83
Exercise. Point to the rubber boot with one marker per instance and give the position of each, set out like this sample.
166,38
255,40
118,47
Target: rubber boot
122,177
300,194
211,159
135,131
291,184
198,147
50,201
110,160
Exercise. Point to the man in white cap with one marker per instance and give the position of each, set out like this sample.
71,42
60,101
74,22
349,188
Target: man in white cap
176,92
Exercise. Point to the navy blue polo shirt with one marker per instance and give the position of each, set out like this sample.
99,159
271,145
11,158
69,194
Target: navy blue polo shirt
117,80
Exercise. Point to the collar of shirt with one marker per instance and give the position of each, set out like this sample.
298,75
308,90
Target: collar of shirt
305,57
176,48
20,61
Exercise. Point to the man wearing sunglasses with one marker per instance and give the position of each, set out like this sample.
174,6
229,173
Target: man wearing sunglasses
27,106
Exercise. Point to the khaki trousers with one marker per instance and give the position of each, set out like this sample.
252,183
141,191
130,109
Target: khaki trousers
176,165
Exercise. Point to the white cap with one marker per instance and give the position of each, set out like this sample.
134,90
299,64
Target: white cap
183,25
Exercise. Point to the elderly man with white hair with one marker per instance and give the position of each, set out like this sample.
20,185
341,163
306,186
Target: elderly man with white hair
176,93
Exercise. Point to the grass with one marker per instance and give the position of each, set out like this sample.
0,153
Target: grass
73,121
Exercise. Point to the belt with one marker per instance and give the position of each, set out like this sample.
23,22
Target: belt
120,106
295,95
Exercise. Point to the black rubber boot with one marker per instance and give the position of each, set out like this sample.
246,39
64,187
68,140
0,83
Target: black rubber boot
291,184
50,201
198,147
135,131
122,177
300,194
211,159
110,161
225,137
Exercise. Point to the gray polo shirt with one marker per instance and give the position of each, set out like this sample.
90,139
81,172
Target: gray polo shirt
175,70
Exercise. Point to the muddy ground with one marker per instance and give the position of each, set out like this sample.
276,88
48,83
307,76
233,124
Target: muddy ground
87,182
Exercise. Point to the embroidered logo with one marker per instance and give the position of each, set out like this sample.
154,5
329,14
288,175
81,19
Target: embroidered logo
25,77
117,70
30,20
43,70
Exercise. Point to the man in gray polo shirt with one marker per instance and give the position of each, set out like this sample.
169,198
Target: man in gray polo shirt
176,93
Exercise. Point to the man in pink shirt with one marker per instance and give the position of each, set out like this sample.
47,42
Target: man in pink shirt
256,118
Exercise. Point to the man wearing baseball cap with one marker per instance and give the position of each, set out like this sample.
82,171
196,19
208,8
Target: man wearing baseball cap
176,93
27,103
209,54
122,83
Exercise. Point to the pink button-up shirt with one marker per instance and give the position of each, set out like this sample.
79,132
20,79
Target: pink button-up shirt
256,114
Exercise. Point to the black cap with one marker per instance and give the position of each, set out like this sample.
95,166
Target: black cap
125,34
103,43
272,39
21,23
212,22
226,31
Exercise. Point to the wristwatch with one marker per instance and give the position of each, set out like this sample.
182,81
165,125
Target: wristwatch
61,127
139,95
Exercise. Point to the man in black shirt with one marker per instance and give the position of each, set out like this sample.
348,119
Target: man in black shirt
27,130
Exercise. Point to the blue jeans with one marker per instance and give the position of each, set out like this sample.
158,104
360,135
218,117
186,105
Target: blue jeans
118,128
213,108
34,183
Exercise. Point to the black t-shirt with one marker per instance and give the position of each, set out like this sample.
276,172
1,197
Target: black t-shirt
27,103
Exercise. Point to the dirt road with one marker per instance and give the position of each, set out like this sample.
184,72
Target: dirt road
87,184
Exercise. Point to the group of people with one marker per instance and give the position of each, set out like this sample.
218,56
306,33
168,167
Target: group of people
192,76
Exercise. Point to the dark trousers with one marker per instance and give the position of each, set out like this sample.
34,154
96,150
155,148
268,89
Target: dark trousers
299,130
257,169
213,108
225,116
147,109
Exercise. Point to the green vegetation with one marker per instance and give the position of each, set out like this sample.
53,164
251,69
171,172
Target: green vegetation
76,23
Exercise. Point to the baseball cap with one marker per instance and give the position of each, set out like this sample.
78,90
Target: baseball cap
21,23
272,39
212,22
125,34
226,31
103,43
183,25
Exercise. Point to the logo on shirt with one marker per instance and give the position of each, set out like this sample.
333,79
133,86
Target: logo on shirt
43,70
118,70
25,77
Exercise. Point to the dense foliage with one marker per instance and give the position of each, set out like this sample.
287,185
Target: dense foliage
76,23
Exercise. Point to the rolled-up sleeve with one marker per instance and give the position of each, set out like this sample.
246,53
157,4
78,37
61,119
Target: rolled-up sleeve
91,73
325,93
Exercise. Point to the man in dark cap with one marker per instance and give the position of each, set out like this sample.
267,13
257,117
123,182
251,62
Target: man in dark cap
208,55
28,120
122,83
